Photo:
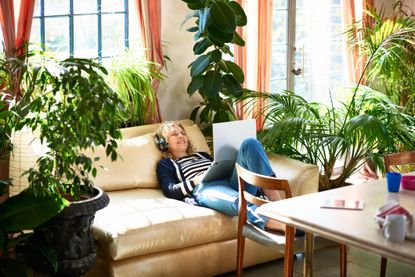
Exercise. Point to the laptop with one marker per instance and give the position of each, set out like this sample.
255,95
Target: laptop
227,138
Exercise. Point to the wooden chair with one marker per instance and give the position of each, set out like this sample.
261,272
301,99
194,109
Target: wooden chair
274,240
395,159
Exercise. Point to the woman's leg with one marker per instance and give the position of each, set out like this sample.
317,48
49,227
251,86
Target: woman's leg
252,156
218,195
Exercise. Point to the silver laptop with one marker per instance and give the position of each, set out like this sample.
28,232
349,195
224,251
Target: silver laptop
227,138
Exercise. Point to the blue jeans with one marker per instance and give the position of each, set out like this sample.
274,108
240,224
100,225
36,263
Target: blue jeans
223,196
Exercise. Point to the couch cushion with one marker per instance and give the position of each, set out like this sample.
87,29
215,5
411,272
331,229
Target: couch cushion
134,168
143,221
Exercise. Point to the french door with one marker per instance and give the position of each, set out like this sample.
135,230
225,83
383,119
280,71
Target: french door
308,48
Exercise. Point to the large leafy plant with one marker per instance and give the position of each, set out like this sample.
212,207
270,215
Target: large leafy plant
131,76
367,125
364,126
217,79
74,109
390,42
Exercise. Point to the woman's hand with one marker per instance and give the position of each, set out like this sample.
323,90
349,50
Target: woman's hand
198,179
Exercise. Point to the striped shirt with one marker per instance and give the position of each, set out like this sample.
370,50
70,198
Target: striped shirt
176,176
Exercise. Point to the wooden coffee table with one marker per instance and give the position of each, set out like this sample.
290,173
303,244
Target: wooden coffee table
347,227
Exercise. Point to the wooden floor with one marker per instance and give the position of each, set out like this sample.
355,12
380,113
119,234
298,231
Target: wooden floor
326,264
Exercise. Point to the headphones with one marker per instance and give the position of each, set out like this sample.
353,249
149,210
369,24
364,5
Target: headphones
161,143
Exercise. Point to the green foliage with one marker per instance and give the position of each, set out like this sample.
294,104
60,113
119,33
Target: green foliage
131,77
367,125
389,41
74,109
218,81
24,212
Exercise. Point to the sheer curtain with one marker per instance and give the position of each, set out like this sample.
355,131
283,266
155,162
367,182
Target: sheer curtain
240,59
149,16
354,12
255,57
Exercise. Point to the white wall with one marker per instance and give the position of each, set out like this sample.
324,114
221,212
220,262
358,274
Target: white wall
175,103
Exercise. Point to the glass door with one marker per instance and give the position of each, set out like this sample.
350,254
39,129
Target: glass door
308,48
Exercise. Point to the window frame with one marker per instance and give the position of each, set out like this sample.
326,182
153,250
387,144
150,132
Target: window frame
70,15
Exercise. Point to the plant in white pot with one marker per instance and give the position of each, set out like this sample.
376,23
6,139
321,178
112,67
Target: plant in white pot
74,109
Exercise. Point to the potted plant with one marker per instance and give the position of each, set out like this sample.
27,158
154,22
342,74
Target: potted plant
217,79
21,213
131,76
367,125
364,126
392,69
73,109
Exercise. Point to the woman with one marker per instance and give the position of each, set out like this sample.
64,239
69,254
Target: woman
181,171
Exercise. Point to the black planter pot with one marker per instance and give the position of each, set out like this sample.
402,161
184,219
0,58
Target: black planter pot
69,234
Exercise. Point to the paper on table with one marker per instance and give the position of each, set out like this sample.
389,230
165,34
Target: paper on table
343,204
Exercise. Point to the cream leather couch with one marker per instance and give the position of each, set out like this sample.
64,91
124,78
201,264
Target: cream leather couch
143,233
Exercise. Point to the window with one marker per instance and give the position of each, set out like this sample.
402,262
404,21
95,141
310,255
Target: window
308,48
82,28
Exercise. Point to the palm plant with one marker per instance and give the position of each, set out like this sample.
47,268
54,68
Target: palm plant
131,77
390,43
322,135
365,126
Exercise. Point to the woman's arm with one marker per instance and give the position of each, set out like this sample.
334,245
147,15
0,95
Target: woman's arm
169,182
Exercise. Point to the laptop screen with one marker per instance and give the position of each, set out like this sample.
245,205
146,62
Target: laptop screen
228,136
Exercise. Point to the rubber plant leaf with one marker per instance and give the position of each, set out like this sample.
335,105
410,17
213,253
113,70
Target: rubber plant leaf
201,46
240,15
223,17
212,83
199,65
218,34
233,68
195,84
232,85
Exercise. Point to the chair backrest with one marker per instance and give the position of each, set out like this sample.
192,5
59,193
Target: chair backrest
400,158
262,181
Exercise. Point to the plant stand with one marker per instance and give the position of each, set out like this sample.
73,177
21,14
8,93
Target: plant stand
70,235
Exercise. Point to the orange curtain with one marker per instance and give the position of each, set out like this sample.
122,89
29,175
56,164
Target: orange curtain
8,26
355,65
14,42
264,55
149,16
240,59
24,24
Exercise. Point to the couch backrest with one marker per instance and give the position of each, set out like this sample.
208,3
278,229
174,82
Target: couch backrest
138,158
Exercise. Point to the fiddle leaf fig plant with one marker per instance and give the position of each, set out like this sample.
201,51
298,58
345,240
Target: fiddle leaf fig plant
217,79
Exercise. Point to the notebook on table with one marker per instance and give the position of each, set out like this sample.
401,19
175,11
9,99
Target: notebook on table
227,138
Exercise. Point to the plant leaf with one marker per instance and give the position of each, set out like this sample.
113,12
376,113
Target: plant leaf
219,34
195,84
223,17
201,46
237,39
212,82
233,68
232,85
24,211
199,65
240,15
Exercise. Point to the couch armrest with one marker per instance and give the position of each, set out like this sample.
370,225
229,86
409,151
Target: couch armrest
303,178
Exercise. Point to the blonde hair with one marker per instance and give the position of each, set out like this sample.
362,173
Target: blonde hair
163,131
